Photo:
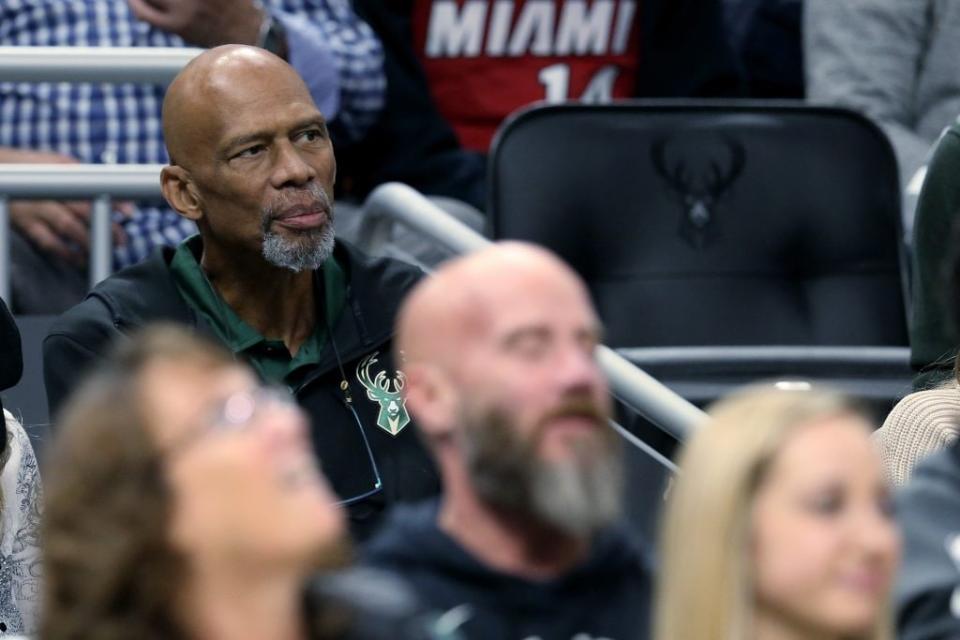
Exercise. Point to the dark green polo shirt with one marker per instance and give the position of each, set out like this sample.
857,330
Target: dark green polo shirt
269,357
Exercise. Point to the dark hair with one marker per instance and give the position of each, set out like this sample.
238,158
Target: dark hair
11,361
950,269
109,572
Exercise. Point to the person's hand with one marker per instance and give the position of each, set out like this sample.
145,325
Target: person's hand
204,23
58,228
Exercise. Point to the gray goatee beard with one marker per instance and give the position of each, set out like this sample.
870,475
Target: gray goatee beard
307,249
577,497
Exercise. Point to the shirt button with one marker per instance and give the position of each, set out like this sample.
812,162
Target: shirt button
109,156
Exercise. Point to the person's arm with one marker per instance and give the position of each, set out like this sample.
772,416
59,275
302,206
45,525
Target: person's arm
865,55
928,510
333,47
335,52
60,228
76,342
932,344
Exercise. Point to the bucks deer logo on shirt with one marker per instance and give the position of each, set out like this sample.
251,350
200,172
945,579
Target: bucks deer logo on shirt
385,391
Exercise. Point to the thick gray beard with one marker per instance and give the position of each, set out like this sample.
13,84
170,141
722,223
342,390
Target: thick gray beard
308,249
578,497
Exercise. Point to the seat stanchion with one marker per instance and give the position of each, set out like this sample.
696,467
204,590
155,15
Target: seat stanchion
5,249
101,258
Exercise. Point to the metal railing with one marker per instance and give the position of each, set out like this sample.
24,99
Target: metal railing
151,65
76,181
397,203
144,65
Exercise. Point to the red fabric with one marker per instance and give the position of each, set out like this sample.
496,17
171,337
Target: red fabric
486,58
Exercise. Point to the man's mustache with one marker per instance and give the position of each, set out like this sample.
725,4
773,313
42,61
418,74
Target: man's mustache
577,408
313,196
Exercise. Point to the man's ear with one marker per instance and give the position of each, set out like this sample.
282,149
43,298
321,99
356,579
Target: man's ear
432,400
180,192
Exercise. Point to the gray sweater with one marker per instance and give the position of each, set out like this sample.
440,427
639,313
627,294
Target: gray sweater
898,61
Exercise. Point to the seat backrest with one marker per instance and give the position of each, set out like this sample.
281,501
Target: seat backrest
712,223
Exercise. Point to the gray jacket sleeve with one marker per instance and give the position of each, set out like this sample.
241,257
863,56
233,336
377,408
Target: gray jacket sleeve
929,512
867,55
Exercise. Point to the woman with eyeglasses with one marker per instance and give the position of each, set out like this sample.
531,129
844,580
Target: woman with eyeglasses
778,526
184,501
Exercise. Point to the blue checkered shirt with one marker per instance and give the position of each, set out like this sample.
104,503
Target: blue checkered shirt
338,55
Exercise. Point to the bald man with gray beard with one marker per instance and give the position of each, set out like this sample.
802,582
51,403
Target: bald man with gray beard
501,375
251,163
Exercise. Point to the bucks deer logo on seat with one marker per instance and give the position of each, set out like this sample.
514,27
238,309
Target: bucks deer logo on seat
699,174
385,391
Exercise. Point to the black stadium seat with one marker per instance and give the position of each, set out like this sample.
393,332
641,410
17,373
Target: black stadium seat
732,236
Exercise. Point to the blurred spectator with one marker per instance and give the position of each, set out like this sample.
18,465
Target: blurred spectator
766,36
510,399
337,55
928,590
252,164
184,502
895,61
20,502
929,419
20,496
778,526
468,65
410,142
936,266
921,423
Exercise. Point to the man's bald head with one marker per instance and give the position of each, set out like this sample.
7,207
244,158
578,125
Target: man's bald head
502,377
199,101
460,300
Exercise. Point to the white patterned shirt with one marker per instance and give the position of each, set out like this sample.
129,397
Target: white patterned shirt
20,572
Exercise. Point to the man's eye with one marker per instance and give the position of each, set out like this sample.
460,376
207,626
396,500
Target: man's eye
312,135
251,152
530,347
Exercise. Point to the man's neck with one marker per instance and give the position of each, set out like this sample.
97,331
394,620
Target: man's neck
226,605
277,302
509,543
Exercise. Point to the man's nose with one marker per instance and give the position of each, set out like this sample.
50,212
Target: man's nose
579,369
291,169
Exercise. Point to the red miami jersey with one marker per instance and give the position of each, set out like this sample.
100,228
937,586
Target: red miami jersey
486,58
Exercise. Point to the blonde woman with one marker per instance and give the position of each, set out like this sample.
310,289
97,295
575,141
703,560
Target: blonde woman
779,525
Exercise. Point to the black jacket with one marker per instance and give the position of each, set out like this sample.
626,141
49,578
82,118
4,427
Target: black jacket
928,587
146,293
608,596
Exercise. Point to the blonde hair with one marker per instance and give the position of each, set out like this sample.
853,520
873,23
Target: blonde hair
704,588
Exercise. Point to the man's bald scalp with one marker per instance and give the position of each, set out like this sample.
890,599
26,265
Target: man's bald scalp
187,105
445,310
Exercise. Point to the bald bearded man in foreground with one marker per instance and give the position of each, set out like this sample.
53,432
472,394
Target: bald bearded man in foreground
503,380
253,166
